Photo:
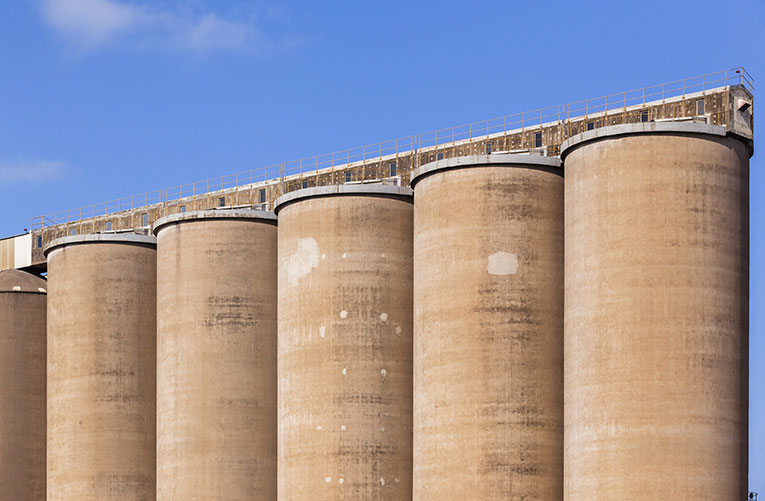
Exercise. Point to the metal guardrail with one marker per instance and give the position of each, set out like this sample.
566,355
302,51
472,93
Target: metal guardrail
538,118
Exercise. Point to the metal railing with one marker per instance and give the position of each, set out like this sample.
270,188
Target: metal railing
539,118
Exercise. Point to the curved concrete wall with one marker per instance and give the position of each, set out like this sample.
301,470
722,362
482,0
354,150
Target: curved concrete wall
216,356
22,386
345,343
101,368
488,299
656,313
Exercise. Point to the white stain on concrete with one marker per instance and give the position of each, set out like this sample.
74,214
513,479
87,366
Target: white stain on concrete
328,479
382,429
342,427
322,331
382,481
502,263
303,260
383,373
16,287
343,314
318,428
398,330
323,257
345,371
345,255
340,480
40,289
384,317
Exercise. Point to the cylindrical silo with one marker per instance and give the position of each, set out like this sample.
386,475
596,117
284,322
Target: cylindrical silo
216,355
101,367
656,317
488,328
345,343
22,386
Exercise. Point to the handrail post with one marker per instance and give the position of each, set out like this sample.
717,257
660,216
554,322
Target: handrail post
624,108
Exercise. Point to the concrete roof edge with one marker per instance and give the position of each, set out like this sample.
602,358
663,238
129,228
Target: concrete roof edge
375,189
109,238
21,282
242,214
641,128
494,159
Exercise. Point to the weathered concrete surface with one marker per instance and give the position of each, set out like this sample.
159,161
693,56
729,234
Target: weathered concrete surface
101,369
488,299
656,317
22,386
216,356
345,347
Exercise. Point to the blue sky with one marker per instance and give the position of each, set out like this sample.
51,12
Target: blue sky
101,99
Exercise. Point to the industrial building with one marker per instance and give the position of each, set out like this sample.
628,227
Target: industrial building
22,385
216,351
657,309
345,343
546,306
488,370
101,367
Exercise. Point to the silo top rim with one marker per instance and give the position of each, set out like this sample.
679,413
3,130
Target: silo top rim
106,238
371,189
217,214
640,128
16,281
492,160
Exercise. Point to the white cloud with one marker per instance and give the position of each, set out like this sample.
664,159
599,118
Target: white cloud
30,171
211,32
92,24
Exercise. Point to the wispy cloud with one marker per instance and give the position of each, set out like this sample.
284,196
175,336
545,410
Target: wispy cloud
94,24
91,22
30,171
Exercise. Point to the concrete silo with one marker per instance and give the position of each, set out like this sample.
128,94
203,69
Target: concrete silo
488,326
22,385
101,367
345,343
656,321
216,355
